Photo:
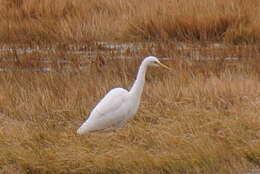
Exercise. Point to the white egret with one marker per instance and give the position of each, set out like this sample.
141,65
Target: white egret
118,105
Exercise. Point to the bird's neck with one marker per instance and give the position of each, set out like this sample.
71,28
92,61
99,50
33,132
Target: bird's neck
138,85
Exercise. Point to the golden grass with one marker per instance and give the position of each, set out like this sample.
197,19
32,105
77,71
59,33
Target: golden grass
33,21
201,118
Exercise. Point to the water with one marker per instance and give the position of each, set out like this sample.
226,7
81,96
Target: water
49,59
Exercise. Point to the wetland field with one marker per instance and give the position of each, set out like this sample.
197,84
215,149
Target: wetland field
59,57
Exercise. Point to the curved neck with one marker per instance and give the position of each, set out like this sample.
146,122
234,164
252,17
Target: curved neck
138,85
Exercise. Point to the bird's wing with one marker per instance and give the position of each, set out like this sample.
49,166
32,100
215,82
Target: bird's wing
109,112
110,103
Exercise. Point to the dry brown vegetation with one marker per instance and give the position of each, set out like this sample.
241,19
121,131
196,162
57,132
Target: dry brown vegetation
201,118
234,21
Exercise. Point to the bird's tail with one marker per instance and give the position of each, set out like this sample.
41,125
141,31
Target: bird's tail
83,128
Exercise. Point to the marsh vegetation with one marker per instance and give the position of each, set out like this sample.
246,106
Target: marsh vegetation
58,58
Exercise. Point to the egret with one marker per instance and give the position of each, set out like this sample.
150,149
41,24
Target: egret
118,105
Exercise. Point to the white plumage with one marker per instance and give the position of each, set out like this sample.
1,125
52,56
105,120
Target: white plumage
118,105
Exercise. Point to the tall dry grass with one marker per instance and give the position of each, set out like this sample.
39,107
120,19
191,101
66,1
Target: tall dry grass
33,21
201,118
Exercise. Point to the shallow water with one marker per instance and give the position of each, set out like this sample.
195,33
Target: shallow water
42,59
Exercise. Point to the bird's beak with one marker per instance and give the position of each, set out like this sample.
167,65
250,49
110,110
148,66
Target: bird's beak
164,66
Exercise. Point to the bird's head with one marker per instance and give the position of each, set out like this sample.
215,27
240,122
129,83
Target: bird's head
153,61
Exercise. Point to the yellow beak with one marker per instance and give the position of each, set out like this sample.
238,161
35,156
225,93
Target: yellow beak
164,66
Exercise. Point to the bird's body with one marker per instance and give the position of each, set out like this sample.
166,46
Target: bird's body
118,105
116,110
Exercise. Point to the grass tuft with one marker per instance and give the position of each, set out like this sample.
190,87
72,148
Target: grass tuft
80,21
195,120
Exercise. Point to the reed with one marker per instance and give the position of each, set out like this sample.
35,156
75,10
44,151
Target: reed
192,120
201,118
30,21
